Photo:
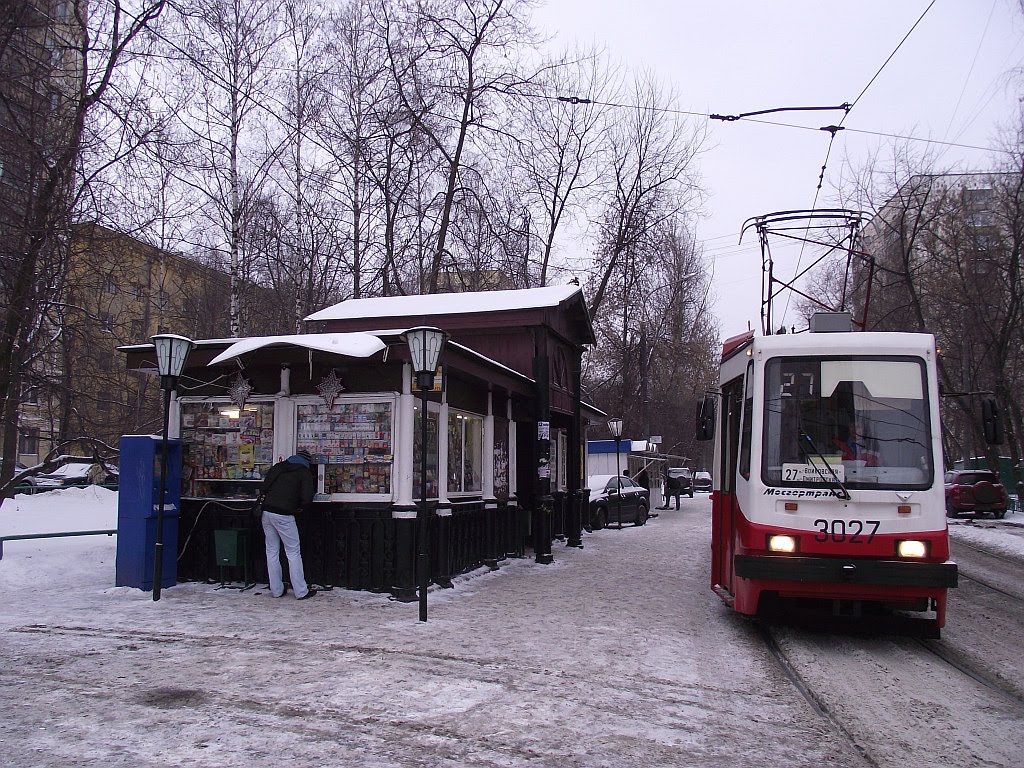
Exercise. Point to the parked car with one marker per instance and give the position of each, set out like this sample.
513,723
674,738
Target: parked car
685,479
617,499
74,473
974,492
18,466
702,482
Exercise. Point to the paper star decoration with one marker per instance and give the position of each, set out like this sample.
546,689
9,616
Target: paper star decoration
330,388
239,391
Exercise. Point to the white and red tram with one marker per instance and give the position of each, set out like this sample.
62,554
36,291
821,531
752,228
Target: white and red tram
829,474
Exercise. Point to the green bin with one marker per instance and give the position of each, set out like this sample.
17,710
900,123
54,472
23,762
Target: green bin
230,545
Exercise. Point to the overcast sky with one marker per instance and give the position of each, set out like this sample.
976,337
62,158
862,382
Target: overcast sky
950,81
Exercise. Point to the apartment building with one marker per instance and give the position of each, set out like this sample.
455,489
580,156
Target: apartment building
119,291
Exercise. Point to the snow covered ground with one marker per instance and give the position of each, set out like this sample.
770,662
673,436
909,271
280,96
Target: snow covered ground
615,655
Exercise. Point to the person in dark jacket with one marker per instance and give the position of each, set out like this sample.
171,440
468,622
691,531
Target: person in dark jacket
643,478
288,487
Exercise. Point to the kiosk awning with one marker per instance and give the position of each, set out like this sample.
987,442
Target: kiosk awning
348,344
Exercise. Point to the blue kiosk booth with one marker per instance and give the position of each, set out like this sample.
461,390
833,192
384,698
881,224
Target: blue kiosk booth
137,511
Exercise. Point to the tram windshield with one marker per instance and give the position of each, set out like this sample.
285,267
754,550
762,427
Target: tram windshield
856,422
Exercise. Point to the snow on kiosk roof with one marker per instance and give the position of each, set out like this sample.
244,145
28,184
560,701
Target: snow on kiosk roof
448,303
349,344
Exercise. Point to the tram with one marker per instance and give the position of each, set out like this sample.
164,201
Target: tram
828,490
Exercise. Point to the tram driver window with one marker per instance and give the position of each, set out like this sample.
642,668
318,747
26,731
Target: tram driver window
868,414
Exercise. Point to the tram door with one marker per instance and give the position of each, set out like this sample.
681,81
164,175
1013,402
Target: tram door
722,533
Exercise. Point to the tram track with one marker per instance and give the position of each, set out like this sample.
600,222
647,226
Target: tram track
993,587
865,657
955,659
990,592
822,710
995,555
971,575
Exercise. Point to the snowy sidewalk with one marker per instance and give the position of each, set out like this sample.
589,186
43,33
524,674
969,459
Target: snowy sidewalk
615,655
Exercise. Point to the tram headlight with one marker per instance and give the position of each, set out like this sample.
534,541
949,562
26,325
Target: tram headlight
911,548
778,543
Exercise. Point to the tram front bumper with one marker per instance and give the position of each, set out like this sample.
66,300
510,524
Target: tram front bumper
904,573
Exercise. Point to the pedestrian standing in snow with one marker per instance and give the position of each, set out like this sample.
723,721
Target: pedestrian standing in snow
643,479
676,488
288,487
664,487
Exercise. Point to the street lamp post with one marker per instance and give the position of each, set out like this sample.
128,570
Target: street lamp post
615,427
425,345
171,351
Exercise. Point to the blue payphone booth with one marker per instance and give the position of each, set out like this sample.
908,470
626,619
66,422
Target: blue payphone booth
137,506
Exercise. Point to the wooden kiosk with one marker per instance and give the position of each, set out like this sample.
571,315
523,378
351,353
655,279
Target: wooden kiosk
504,423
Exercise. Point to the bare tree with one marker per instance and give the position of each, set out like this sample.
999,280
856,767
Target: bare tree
301,253
556,150
456,65
657,340
56,71
228,50
649,179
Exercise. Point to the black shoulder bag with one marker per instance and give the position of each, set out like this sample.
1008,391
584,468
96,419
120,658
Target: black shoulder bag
257,509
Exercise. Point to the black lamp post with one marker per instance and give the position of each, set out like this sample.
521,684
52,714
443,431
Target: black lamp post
615,427
425,345
171,351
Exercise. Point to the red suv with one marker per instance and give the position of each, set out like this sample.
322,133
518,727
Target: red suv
975,491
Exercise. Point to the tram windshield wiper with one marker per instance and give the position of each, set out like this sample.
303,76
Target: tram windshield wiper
845,494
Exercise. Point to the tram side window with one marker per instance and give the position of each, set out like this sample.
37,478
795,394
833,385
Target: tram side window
732,398
747,427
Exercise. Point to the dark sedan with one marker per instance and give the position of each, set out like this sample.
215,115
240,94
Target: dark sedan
702,482
616,499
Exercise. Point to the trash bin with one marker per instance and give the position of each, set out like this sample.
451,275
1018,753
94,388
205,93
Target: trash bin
231,546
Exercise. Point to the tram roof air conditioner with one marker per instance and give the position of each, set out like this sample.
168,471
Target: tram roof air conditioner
831,322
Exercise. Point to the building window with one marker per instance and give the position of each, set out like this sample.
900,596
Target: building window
62,11
465,442
28,442
107,322
109,284
29,394
979,199
137,326
980,219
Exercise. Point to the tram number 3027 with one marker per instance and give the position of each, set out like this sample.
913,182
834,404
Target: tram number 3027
849,531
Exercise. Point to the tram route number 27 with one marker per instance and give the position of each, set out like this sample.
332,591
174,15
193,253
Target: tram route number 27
852,531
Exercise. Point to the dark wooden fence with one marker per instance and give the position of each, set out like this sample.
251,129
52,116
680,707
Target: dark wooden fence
352,546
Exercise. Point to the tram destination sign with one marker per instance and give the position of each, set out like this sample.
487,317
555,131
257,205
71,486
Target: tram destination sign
814,472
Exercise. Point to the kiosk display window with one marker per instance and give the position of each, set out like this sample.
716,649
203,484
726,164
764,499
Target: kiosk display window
432,454
465,441
227,450
501,462
354,442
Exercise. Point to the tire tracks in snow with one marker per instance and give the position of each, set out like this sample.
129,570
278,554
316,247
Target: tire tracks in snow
680,714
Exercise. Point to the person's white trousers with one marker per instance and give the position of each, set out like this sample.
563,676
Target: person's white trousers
281,529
